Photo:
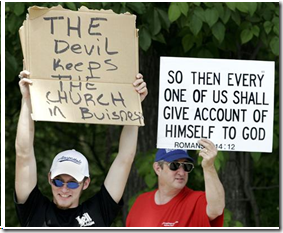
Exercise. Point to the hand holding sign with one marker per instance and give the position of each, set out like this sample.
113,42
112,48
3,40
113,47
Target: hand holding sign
208,153
140,86
24,83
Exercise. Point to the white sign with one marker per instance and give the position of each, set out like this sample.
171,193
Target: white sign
229,102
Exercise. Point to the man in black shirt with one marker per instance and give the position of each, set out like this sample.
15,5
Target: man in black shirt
68,177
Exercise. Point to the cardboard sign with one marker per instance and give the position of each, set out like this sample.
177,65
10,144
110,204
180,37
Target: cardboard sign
229,102
82,65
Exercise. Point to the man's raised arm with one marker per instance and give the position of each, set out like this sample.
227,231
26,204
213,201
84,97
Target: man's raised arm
118,174
26,174
214,191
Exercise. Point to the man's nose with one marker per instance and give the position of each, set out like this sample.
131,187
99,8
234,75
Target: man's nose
181,169
65,188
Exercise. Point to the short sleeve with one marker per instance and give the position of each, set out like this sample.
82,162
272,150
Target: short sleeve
200,215
26,211
108,208
219,221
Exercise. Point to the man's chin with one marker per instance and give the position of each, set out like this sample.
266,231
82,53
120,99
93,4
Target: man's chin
180,185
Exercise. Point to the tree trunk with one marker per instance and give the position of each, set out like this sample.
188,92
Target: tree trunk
231,178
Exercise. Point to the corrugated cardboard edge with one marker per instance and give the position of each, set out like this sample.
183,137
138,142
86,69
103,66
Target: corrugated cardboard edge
137,68
22,39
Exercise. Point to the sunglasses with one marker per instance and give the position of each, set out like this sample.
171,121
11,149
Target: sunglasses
174,166
70,185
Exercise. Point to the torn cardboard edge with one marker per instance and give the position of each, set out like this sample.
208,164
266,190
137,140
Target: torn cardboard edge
38,11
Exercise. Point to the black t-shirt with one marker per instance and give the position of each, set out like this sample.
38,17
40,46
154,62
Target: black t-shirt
39,211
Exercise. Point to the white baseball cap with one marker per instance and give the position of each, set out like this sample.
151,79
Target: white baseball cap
70,162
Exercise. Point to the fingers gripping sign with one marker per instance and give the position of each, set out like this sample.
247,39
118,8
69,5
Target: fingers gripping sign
140,86
24,83
208,153
24,74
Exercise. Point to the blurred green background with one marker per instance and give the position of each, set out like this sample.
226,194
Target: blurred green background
242,30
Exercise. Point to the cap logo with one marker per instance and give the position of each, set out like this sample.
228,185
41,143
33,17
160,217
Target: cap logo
70,159
169,150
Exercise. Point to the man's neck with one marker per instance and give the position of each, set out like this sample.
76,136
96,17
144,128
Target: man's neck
163,196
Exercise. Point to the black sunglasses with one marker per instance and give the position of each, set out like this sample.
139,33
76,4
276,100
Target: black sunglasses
70,185
174,166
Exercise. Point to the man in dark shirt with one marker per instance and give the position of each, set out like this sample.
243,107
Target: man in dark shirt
68,176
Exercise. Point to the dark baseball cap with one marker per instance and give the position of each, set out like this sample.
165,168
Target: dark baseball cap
170,155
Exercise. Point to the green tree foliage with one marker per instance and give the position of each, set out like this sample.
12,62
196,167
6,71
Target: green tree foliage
232,30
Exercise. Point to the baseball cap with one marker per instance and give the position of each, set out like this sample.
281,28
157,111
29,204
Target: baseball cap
170,155
70,162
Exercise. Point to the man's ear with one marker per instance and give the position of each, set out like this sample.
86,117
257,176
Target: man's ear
86,183
156,168
49,178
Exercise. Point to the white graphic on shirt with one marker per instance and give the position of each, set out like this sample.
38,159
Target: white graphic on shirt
169,224
85,220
